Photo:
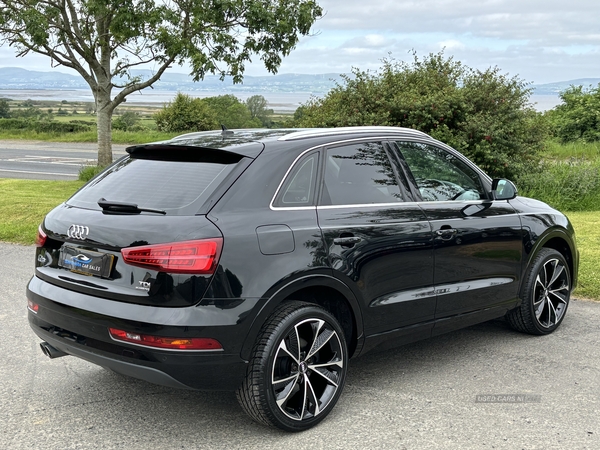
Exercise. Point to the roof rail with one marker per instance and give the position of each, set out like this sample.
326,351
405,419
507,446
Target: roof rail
317,132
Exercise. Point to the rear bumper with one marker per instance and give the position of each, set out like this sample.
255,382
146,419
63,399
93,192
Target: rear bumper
62,321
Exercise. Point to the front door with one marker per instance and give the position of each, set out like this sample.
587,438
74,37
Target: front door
478,242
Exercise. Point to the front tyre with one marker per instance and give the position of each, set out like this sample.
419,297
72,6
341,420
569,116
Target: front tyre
297,370
545,294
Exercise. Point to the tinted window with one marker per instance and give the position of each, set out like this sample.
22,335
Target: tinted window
177,187
359,174
299,187
439,175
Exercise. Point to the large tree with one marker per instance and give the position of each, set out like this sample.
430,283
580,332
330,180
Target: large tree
104,39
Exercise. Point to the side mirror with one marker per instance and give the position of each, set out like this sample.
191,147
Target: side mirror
503,189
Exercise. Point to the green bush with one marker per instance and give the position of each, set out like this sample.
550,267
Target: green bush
126,121
14,124
578,116
44,125
571,185
4,109
231,112
185,113
483,114
61,127
86,173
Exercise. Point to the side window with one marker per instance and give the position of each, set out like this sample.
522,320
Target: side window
439,175
359,174
300,185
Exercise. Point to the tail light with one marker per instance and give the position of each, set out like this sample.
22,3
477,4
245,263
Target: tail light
171,343
197,257
40,239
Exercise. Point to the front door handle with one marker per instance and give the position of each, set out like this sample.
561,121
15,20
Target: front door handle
446,233
348,241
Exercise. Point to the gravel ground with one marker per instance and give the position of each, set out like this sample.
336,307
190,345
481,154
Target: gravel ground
424,395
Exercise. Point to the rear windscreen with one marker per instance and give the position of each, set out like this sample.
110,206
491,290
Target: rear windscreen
178,188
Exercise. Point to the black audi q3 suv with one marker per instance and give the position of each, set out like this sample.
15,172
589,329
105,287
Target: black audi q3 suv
263,260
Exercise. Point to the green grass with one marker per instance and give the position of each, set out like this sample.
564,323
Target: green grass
567,185
80,117
24,203
587,229
575,150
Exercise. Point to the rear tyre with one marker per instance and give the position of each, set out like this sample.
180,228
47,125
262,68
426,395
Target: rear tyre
545,295
297,370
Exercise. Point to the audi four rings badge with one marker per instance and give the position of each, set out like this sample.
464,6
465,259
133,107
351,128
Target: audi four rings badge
78,232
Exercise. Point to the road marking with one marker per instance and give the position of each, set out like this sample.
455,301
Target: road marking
39,173
66,161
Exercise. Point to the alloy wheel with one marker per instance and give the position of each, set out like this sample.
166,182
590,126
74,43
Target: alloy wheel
551,293
307,369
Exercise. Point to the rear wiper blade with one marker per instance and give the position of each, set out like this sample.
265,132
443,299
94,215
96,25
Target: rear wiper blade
109,206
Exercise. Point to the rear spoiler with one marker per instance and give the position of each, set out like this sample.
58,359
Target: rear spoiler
174,152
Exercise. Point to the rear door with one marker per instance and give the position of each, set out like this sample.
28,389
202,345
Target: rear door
379,241
478,242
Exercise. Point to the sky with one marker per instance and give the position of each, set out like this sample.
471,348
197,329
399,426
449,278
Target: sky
540,41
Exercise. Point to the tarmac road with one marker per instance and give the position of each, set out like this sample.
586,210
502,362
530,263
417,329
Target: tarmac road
38,160
546,393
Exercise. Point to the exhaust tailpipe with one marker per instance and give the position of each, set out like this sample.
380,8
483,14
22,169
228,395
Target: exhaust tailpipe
50,351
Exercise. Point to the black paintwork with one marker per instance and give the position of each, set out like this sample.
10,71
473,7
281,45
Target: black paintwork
391,273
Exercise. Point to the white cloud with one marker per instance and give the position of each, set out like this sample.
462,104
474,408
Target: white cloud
451,45
539,40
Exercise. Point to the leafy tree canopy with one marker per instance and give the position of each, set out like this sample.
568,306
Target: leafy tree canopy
185,113
483,114
578,116
231,112
104,39
257,105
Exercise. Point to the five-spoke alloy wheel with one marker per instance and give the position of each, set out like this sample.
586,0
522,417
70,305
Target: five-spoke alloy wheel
298,368
545,294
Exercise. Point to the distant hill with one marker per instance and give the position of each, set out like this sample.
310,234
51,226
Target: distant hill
558,87
17,78
316,84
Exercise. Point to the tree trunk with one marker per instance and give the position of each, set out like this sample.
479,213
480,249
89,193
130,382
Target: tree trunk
104,118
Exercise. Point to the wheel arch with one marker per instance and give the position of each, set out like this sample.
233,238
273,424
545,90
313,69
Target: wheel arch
324,290
560,241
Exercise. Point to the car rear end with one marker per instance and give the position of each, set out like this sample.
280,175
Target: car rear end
122,268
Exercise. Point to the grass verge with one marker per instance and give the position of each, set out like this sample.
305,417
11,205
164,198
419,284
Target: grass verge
567,185
118,136
24,203
577,150
587,229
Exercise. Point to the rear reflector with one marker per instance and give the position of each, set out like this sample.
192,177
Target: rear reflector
165,342
40,239
197,257
33,307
